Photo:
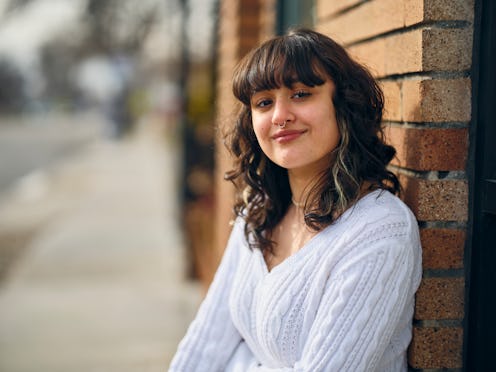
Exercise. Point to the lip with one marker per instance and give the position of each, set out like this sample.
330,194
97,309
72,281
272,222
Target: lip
287,135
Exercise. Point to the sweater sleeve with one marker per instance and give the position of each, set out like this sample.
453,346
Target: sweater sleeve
211,338
364,300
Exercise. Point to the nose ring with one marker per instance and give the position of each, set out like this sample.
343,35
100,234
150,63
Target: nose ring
283,125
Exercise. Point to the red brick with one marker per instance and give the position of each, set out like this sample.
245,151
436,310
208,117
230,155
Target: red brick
440,298
436,348
409,12
448,10
396,54
437,10
414,11
423,149
437,200
373,18
442,248
417,50
428,100
447,49
436,100
326,8
368,20
392,98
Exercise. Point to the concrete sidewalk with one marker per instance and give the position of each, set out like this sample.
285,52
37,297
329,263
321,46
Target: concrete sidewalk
100,286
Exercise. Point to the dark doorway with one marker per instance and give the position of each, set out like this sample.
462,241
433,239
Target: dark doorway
480,326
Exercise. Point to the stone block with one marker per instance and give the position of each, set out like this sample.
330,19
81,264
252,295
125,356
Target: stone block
418,50
442,248
445,49
436,200
447,10
424,149
436,347
436,100
440,298
438,10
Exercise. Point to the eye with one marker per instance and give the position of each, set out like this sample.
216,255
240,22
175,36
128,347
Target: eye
301,94
264,102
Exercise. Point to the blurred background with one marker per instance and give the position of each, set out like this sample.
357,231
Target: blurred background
113,209
106,157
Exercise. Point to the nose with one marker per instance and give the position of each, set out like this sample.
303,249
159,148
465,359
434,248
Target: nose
282,112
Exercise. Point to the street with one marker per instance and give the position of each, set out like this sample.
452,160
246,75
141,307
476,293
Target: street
96,277
27,144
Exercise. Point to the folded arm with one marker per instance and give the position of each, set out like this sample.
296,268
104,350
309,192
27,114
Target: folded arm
211,338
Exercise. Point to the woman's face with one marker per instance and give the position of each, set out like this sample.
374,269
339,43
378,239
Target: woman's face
311,132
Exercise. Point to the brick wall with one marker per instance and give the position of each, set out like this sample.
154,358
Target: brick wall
420,50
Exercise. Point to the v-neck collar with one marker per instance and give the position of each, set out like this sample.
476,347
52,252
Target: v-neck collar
300,253
306,248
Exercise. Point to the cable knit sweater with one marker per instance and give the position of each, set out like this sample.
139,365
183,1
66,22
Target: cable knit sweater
343,302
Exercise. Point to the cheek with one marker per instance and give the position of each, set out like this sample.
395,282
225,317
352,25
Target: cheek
331,133
261,129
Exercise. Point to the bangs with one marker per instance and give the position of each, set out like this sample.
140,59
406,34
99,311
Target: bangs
283,61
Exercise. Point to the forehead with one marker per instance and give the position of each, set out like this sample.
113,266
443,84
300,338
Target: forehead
275,65
280,70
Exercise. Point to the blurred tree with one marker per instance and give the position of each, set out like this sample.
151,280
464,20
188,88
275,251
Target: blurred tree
14,5
111,30
11,93
119,25
58,56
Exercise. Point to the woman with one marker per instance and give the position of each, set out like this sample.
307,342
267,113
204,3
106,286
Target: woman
324,260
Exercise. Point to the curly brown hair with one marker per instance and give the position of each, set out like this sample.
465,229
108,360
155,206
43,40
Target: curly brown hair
361,157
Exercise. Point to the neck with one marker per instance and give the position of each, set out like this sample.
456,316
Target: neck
297,204
303,178
300,183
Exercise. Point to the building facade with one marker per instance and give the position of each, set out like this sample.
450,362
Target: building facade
433,62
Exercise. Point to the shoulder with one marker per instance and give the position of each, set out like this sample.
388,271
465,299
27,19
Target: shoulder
380,218
238,226
379,228
378,208
237,240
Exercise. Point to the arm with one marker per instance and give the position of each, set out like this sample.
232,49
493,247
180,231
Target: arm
211,338
364,298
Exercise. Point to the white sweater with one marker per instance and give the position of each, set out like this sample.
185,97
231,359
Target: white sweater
343,302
